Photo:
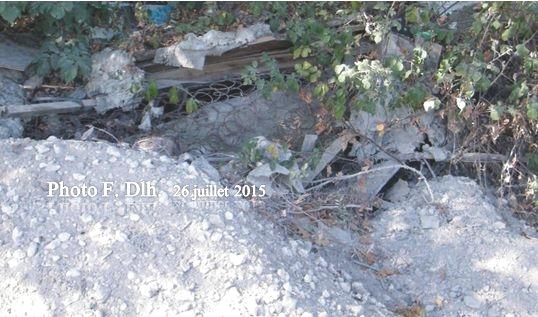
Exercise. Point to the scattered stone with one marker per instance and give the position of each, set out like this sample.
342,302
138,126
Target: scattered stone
15,56
472,302
79,177
32,249
429,221
64,236
72,273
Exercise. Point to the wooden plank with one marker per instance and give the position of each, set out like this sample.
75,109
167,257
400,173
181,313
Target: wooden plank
213,73
37,109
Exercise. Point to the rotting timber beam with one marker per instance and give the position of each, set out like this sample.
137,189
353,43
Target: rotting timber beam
36,109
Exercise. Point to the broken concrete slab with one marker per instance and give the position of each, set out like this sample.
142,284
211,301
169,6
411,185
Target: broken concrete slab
226,126
401,46
15,56
192,51
371,184
328,155
11,93
398,191
115,81
309,142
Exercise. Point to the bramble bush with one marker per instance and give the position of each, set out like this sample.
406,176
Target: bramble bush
65,28
487,74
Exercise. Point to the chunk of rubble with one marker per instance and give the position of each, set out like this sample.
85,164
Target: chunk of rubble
192,51
114,81
14,56
11,93
398,45
398,191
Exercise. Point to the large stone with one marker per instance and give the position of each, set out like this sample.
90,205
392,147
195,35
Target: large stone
114,81
11,93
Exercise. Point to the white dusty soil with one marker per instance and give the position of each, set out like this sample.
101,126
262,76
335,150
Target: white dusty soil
171,256
115,257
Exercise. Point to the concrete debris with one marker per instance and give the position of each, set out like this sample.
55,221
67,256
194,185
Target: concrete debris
402,139
115,81
15,56
437,153
371,184
328,155
398,191
401,46
309,143
192,51
161,145
11,93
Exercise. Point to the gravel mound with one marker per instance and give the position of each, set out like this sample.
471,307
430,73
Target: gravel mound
459,257
148,256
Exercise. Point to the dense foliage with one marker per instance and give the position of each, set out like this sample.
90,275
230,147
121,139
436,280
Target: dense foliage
64,27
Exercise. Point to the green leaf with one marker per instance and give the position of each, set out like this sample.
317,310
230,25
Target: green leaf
321,90
296,53
339,110
173,96
522,51
532,109
191,105
57,12
69,74
152,91
495,113
292,84
508,33
519,90
11,13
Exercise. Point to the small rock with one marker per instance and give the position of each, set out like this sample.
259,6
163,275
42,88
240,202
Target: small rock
19,254
112,151
64,236
41,148
52,168
32,249
78,177
73,273
237,259
429,221
9,209
345,286
16,234
102,293
134,217
472,302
